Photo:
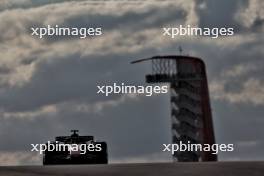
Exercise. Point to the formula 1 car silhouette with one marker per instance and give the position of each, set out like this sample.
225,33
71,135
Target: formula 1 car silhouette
92,152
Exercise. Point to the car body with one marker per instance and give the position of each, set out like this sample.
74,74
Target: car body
86,150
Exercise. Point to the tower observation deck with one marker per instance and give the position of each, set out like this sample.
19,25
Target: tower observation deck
191,114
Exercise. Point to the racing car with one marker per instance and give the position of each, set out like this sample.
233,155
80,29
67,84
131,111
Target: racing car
67,150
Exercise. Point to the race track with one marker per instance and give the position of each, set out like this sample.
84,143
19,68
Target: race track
157,169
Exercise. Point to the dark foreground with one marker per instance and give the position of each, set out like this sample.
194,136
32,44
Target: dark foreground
158,169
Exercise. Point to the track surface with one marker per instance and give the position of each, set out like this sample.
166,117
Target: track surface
157,169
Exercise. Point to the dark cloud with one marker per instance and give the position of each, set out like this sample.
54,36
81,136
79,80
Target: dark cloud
258,25
219,13
71,78
4,70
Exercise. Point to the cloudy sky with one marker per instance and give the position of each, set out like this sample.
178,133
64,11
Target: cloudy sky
48,86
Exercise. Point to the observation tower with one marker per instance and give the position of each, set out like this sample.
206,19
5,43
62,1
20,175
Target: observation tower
191,114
